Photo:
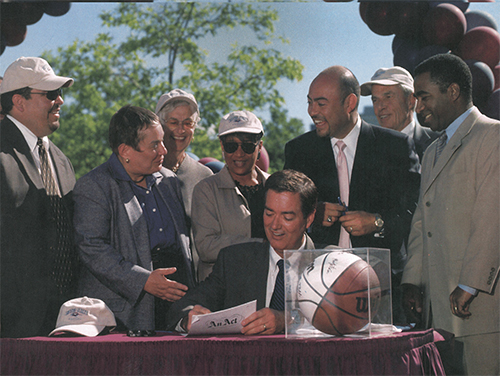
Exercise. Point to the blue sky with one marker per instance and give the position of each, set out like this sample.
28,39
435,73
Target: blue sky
320,34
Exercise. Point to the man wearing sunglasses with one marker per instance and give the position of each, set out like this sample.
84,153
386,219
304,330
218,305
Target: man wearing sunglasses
38,260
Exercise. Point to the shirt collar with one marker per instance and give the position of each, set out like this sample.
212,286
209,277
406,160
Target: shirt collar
275,257
119,172
452,128
351,140
29,136
409,130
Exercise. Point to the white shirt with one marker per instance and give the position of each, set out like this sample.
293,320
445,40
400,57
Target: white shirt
274,269
32,140
409,130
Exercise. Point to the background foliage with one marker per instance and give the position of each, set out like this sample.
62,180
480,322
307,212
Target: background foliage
161,51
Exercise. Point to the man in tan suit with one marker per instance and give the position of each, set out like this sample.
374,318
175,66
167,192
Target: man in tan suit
449,280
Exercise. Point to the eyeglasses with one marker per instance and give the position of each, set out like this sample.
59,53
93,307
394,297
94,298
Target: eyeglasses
231,147
175,123
51,95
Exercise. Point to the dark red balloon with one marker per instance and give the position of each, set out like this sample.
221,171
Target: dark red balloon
409,16
482,44
263,162
477,18
32,12
496,73
492,108
410,53
379,16
13,32
56,8
483,82
444,25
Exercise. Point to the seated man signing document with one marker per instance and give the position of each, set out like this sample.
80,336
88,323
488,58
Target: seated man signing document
251,271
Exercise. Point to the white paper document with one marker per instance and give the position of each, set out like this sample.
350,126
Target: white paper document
227,321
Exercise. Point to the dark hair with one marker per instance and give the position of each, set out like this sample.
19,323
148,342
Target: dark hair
294,182
244,136
6,98
126,124
446,69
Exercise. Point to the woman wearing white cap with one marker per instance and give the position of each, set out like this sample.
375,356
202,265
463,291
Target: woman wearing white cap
178,112
228,206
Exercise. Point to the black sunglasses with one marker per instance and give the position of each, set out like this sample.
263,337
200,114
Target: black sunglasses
51,95
231,147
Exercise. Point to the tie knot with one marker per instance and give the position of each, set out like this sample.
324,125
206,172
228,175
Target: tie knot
280,264
443,137
39,142
341,145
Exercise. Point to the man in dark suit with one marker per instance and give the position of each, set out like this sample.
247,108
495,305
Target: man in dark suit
38,259
382,170
248,271
391,90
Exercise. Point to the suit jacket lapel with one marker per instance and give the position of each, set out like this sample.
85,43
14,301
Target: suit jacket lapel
362,163
137,222
22,151
451,147
257,275
63,173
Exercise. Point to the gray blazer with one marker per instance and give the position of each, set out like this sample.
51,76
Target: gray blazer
112,238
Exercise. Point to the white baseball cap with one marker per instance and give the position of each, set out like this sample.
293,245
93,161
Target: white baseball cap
85,316
175,94
33,72
240,121
388,76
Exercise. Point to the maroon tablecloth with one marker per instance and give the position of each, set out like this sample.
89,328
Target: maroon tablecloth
411,353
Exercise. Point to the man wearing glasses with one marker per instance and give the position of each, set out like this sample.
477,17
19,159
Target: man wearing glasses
38,261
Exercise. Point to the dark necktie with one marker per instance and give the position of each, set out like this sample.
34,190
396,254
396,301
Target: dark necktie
278,298
441,143
64,258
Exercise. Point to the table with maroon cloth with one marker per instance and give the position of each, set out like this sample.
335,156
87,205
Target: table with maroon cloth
412,353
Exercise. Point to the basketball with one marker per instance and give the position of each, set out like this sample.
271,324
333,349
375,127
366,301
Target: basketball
334,294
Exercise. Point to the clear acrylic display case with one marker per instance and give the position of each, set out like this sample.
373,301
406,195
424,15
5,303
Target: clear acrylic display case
343,307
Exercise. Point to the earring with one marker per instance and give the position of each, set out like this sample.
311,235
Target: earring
127,160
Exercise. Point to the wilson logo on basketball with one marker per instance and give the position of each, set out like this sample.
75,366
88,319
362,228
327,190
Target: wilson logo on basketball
335,292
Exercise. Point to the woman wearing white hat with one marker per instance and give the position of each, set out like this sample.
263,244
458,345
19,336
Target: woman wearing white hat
179,114
228,206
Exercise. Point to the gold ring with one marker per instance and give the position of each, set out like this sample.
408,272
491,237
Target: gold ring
329,219
350,229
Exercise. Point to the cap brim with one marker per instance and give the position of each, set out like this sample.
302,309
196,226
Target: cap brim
84,330
366,88
242,130
53,83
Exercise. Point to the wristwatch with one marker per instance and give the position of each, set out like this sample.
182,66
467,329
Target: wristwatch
379,223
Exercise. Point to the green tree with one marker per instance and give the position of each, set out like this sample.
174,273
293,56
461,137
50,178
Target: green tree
161,50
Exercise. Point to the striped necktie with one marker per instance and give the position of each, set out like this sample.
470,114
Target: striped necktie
278,298
441,143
